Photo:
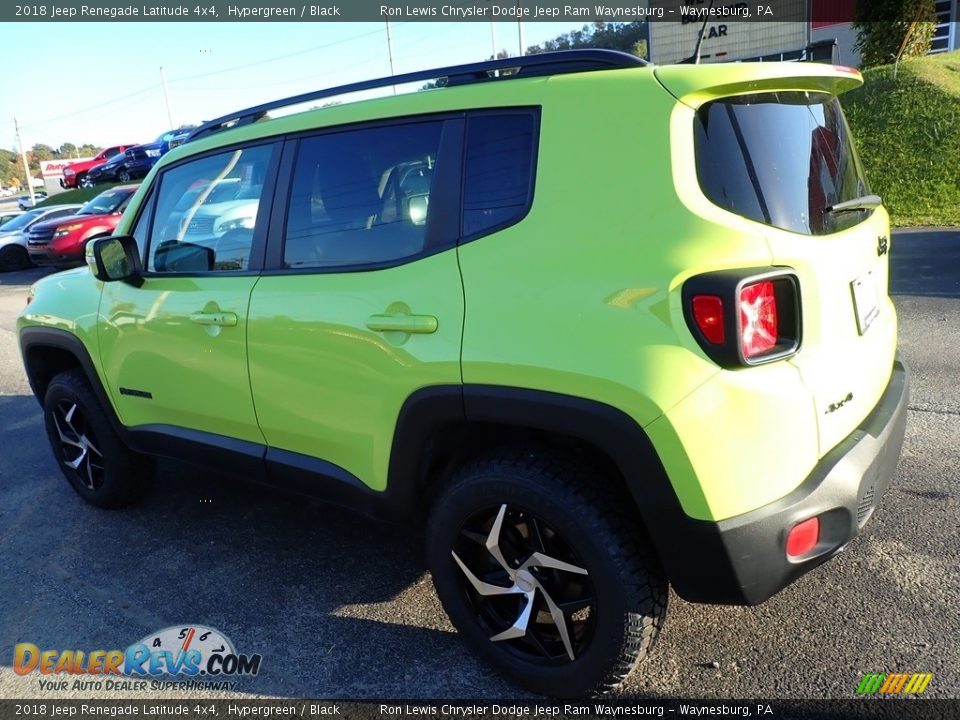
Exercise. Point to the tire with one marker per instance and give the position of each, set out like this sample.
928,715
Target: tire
14,257
83,181
124,176
608,588
95,461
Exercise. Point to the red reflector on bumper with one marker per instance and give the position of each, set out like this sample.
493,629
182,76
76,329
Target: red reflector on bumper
803,537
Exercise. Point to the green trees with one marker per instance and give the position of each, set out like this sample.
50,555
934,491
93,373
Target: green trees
628,37
889,30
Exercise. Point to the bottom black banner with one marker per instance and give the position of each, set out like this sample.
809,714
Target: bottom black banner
900,709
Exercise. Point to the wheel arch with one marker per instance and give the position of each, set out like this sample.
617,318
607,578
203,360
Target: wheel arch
47,352
441,427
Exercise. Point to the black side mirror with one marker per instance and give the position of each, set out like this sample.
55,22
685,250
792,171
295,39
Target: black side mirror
116,258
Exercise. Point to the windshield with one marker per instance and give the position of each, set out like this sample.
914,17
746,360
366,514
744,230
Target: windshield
105,203
165,137
781,159
21,221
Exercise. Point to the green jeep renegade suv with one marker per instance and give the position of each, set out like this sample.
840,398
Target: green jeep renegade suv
598,326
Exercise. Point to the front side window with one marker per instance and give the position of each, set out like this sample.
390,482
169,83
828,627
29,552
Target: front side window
780,158
206,212
361,197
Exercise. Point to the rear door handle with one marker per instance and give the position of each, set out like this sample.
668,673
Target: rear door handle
224,319
424,324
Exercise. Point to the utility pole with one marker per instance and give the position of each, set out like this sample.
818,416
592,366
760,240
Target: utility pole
520,29
26,166
390,54
493,40
166,97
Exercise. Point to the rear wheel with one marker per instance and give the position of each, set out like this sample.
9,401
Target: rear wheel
96,463
14,257
545,574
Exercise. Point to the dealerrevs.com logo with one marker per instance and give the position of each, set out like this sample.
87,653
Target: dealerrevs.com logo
194,652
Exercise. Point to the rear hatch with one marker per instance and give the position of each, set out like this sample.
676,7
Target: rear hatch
771,145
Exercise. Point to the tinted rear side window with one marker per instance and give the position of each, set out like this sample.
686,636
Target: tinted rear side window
780,159
499,170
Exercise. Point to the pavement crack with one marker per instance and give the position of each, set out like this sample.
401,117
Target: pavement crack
934,410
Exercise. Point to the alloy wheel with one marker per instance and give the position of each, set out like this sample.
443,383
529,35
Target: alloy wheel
78,445
525,585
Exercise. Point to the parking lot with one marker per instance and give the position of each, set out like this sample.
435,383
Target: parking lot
341,608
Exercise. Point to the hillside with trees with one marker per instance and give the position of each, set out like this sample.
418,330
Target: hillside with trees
11,167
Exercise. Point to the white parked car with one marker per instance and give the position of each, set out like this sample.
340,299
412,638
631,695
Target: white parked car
25,202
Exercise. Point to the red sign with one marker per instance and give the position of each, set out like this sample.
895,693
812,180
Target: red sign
832,12
54,168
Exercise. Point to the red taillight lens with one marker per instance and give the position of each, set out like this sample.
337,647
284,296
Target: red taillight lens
803,537
708,315
758,318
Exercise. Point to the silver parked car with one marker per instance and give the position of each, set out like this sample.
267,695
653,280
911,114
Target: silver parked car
13,235
25,202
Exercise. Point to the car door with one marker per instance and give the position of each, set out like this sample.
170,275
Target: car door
174,350
361,303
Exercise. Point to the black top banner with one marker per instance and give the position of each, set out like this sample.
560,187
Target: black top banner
683,11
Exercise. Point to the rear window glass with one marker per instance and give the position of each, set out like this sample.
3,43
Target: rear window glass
499,171
781,159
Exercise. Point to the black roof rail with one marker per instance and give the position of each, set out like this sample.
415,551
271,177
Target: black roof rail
553,63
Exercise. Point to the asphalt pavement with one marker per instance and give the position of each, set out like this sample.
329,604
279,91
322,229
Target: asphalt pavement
342,608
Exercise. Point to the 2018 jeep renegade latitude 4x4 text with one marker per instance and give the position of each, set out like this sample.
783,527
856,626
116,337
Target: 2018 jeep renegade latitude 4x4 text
597,325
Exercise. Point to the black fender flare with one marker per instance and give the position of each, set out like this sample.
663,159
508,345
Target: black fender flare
686,547
32,338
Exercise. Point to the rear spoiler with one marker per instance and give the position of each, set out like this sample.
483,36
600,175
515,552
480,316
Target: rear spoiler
695,85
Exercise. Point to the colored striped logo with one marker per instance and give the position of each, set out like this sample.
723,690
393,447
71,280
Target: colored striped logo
894,683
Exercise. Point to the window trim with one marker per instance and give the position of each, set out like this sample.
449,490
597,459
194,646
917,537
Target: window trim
533,111
442,229
261,224
146,206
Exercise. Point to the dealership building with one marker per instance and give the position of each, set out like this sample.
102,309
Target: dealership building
805,30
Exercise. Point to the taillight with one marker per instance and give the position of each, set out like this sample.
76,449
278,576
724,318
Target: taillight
758,319
708,315
744,317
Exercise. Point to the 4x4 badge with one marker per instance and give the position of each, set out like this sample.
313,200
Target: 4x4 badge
882,244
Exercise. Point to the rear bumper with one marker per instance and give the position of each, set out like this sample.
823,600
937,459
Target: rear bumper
742,560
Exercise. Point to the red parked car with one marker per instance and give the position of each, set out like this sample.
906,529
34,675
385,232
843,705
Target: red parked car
75,174
62,242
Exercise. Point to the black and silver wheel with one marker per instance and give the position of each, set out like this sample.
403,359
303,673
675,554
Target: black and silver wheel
84,181
124,175
14,257
97,464
545,574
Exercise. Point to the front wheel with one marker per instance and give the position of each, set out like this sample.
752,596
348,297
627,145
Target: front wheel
544,573
95,461
14,257
124,175
84,181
